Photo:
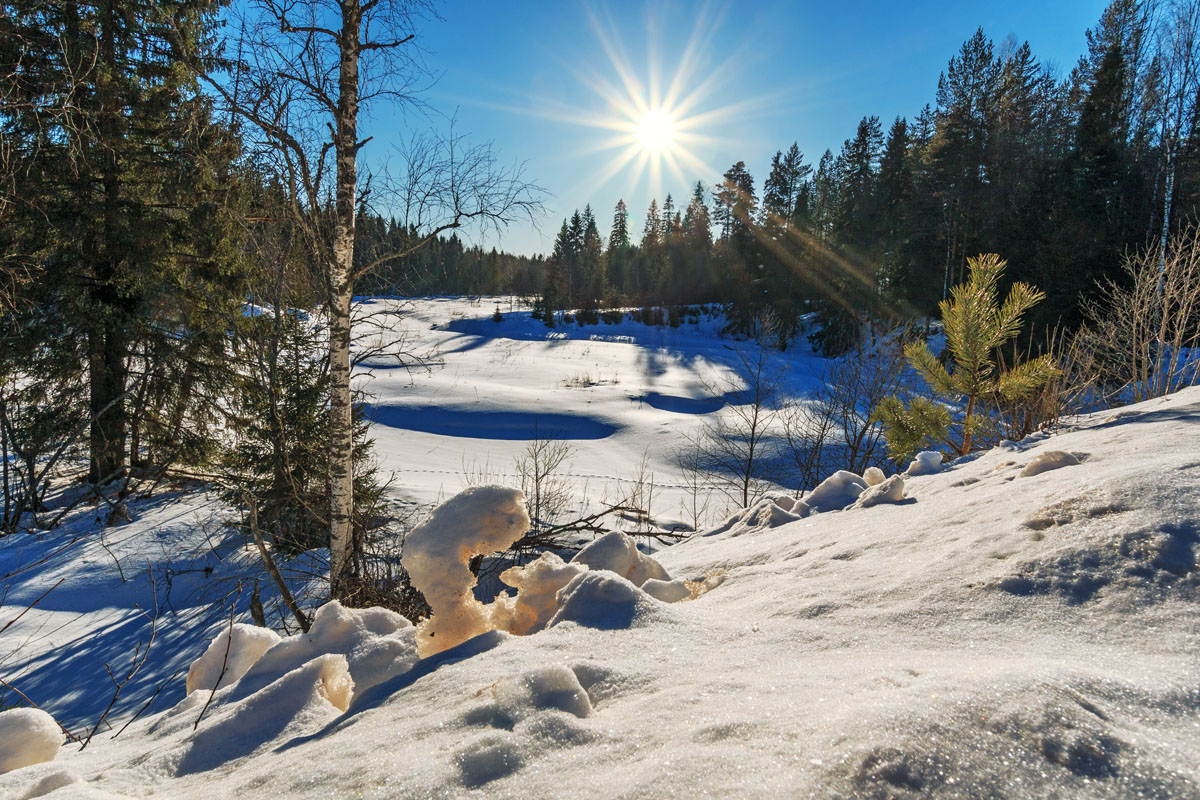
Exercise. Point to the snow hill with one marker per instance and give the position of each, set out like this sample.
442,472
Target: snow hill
999,632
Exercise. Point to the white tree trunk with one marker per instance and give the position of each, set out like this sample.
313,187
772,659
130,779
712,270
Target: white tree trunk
341,287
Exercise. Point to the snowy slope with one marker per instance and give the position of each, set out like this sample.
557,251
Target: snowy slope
994,635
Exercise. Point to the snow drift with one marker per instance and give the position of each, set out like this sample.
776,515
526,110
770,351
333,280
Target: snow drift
990,635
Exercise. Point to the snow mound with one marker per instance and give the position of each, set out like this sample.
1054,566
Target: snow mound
770,512
299,702
39,780
838,491
230,654
873,476
890,490
537,584
27,736
602,600
926,462
533,712
1145,565
554,687
480,520
1044,462
618,553
376,643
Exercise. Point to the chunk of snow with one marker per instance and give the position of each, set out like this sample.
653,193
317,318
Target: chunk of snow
618,553
480,520
600,599
537,584
27,736
770,512
873,476
551,687
926,462
1044,462
839,490
785,502
377,644
888,491
229,655
299,702
667,591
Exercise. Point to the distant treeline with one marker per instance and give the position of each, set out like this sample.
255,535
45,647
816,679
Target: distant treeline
1062,176
443,266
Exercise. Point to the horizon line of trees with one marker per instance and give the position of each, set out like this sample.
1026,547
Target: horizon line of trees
1062,176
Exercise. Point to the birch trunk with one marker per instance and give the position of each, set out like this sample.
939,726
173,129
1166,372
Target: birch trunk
341,424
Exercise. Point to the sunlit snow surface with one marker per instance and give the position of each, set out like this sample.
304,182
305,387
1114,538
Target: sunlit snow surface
614,393
994,635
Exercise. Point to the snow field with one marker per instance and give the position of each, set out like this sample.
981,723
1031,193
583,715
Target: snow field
990,630
614,393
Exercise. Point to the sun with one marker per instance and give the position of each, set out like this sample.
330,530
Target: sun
656,125
656,131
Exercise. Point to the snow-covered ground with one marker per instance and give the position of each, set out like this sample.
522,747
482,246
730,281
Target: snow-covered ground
999,632
614,393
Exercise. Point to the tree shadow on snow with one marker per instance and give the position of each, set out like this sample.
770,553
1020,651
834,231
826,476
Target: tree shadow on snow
503,425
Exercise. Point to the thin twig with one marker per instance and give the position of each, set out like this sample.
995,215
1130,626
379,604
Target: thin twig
224,662
25,697
13,621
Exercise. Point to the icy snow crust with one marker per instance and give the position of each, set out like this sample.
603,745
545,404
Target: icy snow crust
990,636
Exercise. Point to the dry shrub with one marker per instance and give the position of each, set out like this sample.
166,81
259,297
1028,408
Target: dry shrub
1142,335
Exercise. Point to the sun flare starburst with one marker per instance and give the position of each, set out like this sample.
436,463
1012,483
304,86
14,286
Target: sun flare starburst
656,123
656,131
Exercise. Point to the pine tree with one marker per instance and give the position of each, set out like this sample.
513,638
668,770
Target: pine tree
857,219
976,324
617,255
554,293
959,150
696,220
591,262
739,256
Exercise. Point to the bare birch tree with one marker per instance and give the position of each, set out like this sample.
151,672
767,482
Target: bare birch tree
304,69
1179,51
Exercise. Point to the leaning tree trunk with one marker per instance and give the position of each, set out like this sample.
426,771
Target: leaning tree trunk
341,423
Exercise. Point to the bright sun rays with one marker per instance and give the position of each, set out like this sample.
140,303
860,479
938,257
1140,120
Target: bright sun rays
654,123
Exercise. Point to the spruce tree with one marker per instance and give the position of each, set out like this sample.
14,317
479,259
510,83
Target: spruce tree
126,178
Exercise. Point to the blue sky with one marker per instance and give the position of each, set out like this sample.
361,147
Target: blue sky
529,75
